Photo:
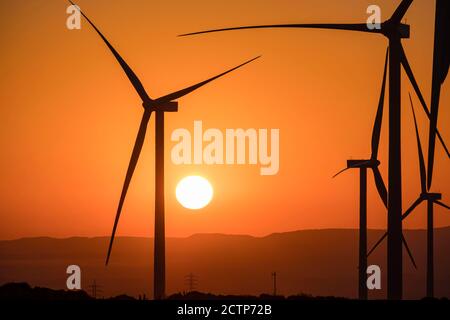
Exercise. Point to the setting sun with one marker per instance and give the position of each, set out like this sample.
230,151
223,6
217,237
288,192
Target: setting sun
194,192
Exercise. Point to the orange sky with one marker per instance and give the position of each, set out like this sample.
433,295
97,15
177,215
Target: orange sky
69,115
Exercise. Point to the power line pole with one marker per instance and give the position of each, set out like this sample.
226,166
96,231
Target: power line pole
274,278
95,289
191,280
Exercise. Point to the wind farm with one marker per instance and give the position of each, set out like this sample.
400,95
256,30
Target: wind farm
394,30
239,186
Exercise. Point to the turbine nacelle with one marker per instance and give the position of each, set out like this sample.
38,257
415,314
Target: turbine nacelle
390,28
155,105
371,163
431,196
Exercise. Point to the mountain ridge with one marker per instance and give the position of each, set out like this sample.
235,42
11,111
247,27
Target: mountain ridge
214,233
320,262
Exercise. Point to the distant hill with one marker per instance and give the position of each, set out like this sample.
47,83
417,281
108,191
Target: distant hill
316,262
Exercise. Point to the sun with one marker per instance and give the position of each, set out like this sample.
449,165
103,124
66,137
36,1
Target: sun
194,192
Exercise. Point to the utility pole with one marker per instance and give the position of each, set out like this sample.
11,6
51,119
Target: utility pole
95,289
191,280
274,278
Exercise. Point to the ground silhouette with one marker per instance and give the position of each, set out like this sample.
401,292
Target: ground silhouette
22,290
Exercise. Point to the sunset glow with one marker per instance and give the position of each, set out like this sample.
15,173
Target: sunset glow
65,154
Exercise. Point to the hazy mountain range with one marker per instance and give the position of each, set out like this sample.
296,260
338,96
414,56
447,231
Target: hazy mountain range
317,262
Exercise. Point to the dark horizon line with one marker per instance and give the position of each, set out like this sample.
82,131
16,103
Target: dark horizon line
218,234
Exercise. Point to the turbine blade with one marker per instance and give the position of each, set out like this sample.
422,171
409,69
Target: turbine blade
379,117
333,26
441,63
130,74
442,204
404,243
423,178
381,187
409,251
343,170
412,79
413,206
377,244
432,141
183,92
401,11
131,166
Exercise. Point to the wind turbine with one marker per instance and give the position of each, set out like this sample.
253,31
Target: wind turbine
431,199
363,166
159,106
394,30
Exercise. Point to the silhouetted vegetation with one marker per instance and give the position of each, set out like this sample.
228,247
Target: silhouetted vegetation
23,290
122,297
196,295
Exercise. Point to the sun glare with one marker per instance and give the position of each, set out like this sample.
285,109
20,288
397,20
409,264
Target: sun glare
194,192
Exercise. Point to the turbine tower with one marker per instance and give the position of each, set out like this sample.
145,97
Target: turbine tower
159,106
394,30
363,166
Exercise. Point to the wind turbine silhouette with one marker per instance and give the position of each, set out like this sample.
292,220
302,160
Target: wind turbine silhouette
431,199
159,106
363,166
394,30
441,64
